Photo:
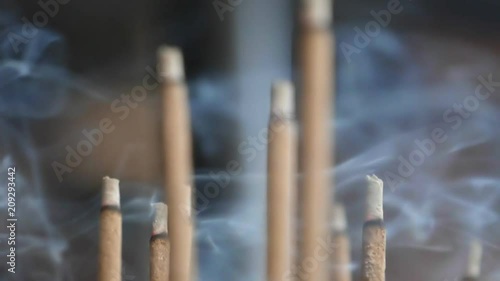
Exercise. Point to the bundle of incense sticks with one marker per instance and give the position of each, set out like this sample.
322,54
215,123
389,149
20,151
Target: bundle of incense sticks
316,66
473,268
341,257
282,159
178,166
110,232
159,245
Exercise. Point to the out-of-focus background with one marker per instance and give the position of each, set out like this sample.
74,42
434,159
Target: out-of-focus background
66,66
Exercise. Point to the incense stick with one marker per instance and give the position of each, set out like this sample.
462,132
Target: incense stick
374,235
110,232
473,269
159,245
178,166
316,65
341,257
282,159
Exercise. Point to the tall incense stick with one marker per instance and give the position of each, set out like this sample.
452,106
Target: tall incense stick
178,163
316,65
282,159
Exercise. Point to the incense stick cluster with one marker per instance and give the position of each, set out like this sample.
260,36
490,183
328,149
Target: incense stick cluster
172,228
110,237
172,254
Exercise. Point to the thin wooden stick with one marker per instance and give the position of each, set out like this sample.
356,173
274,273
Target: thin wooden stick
178,163
374,235
316,63
159,245
110,232
341,257
282,159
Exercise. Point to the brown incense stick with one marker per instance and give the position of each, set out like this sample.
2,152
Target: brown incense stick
341,257
473,269
159,245
178,166
316,63
282,159
374,235
110,232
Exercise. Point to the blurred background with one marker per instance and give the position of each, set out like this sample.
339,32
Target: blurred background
67,65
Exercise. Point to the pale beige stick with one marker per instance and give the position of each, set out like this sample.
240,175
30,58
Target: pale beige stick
159,245
281,189
374,234
473,269
316,64
341,256
110,232
178,163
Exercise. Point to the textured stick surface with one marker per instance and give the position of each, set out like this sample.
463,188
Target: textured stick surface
110,232
374,245
282,158
316,52
178,171
159,258
110,245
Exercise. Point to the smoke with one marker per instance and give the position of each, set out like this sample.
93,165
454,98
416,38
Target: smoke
445,190
391,98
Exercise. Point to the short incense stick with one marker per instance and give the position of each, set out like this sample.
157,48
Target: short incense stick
341,257
374,236
316,66
110,232
178,166
282,159
159,245
473,269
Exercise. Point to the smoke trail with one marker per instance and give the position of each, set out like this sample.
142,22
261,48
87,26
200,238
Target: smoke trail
387,108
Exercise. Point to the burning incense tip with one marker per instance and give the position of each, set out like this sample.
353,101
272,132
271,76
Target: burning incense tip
110,192
374,198
339,222
318,13
282,101
160,221
474,262
171,65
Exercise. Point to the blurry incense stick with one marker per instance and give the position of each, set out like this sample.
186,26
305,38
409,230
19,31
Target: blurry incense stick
316,64
341,257
177,145
473,269
282,159
374,235
110,232
159,245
